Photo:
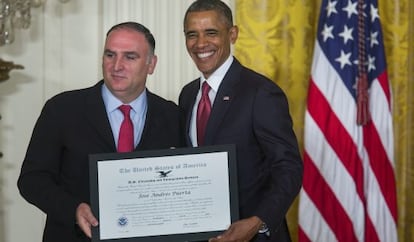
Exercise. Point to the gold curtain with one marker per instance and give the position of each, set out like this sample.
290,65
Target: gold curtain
277,38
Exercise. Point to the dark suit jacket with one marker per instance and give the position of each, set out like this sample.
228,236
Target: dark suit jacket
252,112
55,174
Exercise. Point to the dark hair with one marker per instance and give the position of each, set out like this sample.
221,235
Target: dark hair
136,27
216,5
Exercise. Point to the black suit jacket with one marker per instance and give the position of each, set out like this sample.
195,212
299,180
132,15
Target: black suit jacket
55,175
252,112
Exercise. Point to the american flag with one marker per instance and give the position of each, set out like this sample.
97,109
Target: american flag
349,191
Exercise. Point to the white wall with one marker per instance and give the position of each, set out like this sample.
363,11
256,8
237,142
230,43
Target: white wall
62,51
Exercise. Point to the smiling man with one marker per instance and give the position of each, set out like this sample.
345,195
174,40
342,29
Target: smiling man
231,104
74,124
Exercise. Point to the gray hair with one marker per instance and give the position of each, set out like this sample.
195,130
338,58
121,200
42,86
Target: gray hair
220,7
139,28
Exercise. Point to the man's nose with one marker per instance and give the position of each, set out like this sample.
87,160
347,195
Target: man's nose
201,41
118,64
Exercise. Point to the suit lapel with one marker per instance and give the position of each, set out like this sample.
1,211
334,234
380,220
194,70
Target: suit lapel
225,95
188,105
96,114
151,123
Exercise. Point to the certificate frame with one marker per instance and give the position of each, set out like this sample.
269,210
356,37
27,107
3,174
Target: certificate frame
223,157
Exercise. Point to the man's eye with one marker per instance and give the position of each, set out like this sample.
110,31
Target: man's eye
213,33
109,55
131,57
191,35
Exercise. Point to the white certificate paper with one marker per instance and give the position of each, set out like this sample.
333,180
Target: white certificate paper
164,195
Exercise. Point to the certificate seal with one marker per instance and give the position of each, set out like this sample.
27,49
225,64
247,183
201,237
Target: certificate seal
123,221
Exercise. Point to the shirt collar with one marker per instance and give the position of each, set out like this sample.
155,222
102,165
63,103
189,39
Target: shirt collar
112,103
217,77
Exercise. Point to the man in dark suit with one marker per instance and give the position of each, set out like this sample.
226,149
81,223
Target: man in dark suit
55,176
248,110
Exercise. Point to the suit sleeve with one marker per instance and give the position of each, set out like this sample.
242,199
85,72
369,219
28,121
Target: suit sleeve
39,181
274,131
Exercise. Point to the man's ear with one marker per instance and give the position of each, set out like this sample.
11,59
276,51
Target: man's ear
234,33
152,63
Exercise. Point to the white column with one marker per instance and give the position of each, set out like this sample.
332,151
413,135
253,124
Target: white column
62,51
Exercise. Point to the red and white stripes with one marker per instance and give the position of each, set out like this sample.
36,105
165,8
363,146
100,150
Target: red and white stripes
349,186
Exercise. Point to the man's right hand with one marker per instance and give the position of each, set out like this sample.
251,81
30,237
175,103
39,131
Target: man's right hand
85,219
240,231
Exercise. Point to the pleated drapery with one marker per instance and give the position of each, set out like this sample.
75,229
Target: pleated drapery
276,39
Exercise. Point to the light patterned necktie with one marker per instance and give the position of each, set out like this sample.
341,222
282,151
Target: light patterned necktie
126,132
203,112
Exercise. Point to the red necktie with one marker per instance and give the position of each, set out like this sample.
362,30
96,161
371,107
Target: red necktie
203,112
126,132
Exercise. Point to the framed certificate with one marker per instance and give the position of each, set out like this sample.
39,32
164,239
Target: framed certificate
182,194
